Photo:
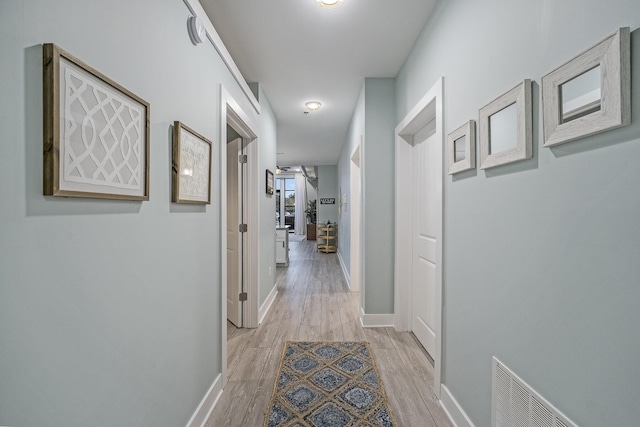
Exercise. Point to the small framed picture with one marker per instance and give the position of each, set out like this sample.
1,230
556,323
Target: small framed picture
506,130
191,168
96,132
461,148
269,181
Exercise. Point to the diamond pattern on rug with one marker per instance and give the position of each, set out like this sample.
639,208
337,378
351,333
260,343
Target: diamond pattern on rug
329,415
328,384
304,365
358,397
351,364
328,379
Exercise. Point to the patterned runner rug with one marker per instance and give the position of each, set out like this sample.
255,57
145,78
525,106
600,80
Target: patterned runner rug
328,384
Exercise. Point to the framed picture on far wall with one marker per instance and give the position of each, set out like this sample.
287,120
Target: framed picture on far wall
269,180
191,169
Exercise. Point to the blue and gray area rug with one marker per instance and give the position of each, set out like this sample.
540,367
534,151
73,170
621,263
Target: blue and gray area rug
328,384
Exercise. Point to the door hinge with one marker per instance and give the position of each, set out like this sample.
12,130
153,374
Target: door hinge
243,296
242,158
242,228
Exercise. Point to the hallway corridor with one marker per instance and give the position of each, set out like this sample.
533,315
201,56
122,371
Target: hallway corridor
314,303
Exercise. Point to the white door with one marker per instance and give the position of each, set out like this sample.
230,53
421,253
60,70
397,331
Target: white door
234,242
426,178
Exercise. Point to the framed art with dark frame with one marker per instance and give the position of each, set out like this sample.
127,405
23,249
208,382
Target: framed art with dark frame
96,132
191,166
270,182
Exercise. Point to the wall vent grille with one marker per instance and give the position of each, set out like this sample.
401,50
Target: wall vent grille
515,404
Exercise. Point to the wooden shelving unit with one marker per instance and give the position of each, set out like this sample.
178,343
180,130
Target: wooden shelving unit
327,238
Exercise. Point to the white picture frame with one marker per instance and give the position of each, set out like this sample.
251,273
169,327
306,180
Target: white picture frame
613,57
518,140
467,161
191,166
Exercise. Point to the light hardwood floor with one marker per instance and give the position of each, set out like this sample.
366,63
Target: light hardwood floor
314,303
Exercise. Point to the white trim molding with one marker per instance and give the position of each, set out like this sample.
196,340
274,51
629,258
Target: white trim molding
266,305
197,10
453,409
208,402
232,114
428,109
376,320
345,270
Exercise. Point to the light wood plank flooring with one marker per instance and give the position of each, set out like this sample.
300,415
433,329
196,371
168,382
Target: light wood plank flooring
314,303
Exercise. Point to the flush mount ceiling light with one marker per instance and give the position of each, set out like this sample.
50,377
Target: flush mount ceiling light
329,3
313,105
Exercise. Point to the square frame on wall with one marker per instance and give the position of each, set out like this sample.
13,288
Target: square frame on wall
191,166
506,130
461,148
270,183
596,86
96,132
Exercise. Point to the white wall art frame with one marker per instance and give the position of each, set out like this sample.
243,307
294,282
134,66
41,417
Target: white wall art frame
595,110
96,133
191,166
515,131
462,152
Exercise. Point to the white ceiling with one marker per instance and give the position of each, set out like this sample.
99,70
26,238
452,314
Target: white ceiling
299,52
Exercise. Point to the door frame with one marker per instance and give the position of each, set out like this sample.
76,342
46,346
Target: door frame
239,149
232,114
355,215
429,108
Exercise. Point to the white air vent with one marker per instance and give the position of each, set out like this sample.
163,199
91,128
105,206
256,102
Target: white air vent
515,404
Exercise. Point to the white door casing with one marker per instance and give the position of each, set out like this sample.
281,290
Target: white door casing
232,114
428,109
234,242
355,215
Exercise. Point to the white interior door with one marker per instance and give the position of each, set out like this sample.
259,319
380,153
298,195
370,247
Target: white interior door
234,246
426,178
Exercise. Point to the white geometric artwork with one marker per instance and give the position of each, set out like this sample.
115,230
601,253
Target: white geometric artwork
191,166
194,167
102,134
96,133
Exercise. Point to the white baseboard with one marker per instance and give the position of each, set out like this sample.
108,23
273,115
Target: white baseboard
204,409
376,320
453,409
345,270
264,309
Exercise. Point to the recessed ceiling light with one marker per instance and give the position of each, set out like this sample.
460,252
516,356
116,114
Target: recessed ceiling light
329,3
313,105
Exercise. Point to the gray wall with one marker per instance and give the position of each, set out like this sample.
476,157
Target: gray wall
109,310
373,117
378,195
327,187
541,256
354,136
267,159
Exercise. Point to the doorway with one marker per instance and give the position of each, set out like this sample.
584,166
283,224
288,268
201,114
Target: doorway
233,117
419,225
355,215
235,191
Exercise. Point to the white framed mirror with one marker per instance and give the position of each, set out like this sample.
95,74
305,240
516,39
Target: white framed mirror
590,93
506,129
461,148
